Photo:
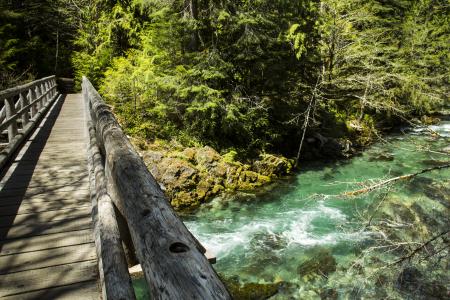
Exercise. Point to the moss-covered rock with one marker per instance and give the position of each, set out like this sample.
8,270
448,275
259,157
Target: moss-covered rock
272,165
250,291
429,120
191,176
320,261
207,157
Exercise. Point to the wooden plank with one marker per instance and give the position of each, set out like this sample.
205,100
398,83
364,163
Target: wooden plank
45,180
28,230
26,208
32,280
12,191
54,160
16,169
43,217
87,290
48,241
38,202
45,212
46,258
48,165
72,195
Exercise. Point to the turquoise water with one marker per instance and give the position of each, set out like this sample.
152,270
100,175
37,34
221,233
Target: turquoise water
264,237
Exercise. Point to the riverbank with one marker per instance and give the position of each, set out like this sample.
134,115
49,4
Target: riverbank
193,175
300,241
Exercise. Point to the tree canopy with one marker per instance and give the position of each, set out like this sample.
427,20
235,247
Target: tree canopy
240,74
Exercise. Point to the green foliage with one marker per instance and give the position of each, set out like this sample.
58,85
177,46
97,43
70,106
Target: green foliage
239,74
35,39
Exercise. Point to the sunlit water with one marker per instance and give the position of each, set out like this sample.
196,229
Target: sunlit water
264,237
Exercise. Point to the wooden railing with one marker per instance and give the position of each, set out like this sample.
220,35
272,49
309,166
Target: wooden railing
132,216
23,107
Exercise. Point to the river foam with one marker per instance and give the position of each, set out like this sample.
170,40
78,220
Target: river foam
292,227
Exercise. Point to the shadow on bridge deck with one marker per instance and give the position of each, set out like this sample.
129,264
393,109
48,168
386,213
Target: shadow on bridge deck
46,244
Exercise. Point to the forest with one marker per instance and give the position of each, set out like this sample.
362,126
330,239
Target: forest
306,142
247,76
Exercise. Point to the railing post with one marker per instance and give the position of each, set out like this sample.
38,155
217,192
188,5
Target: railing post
44,92
42,102
10,111
54,84
24,102
125,236
31,97
38,94
47,90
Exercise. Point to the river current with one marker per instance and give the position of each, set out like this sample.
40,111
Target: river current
263,237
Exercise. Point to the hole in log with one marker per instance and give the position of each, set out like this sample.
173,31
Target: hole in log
145,212
178,247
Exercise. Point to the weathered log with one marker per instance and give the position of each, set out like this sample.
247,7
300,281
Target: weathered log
173,264
114,277
125,236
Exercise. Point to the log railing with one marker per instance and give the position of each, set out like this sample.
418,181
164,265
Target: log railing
125,194
23,107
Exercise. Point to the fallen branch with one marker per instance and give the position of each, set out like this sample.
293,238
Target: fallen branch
392,180
418,249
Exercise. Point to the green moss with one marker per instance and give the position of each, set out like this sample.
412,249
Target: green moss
250,291
230,157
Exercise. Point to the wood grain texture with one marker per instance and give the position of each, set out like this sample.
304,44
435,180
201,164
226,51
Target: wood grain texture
172,260
32,280
114,277
46,232
88,290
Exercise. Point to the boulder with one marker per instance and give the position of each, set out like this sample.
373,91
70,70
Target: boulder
272,165
429,120
250,291
177,173
191,176
320,262
189,154
207,157
152,156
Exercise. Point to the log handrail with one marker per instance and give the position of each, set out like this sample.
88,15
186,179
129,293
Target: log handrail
172,260
23,107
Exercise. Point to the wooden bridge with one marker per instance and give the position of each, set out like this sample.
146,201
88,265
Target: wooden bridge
78,206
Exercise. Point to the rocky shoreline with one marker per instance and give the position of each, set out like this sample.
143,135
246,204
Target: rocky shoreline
192,176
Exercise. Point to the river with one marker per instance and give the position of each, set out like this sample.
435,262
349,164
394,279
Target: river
267,237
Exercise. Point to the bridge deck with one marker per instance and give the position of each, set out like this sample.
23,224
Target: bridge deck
46,241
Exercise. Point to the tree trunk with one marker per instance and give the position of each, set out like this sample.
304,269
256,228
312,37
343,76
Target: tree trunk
191,12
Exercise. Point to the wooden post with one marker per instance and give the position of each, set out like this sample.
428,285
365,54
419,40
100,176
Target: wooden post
25,94
46,91
38,94
125,236
10,112
44,98
31,97
54,83
24,102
